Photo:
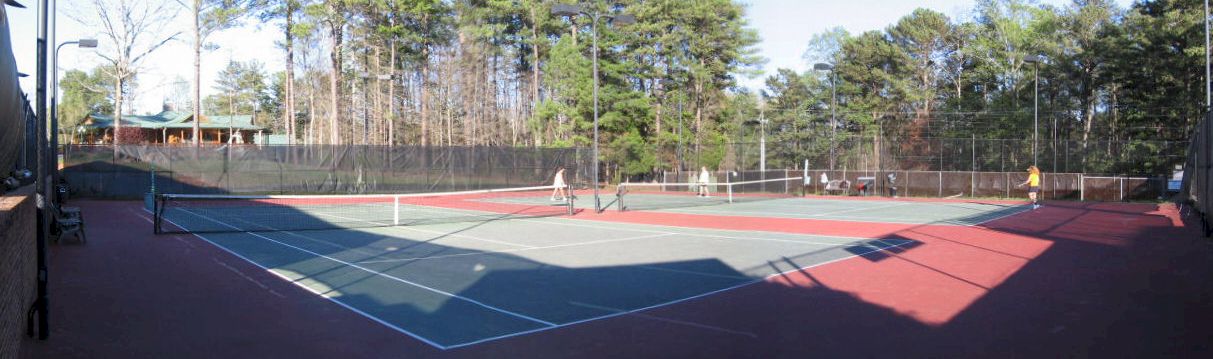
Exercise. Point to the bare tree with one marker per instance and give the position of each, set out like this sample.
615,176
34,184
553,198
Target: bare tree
131,30
332,14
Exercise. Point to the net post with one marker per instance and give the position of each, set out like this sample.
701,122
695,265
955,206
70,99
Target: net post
619,196
568,196
395,210
728,185
157,213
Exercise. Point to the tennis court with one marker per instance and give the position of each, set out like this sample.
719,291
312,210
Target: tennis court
780,198
963,213
505,265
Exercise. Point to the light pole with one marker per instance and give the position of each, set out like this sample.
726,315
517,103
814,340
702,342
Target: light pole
83,43
821,66
1035,60
621,19
44,189
762,140
681,166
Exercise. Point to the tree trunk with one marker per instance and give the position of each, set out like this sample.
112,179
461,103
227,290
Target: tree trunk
699,112
423,102
311,116
534,58
379,110
197,74
1088,118
660,96
289,115
117,106
391,96
335,34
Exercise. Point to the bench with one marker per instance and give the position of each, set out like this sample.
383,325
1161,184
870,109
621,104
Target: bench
834,186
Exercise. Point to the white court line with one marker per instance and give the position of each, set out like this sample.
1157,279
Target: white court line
691,272
694,231
436,232
484,340
646,231
552,326
1000,217
385,275
517,250
862,209
335,245
795,215
313,291
668,320
929,221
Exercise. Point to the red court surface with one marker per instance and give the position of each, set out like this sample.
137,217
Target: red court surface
1067,280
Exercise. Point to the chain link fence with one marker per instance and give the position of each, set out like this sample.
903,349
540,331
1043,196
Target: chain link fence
1197,182
1131,158
954,167
130,171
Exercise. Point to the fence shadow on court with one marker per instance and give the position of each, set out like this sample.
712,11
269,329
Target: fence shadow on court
1083,295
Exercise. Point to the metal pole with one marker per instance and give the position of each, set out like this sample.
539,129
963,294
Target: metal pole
833,118
1208,97
681,165
594,32
44,189
762,142
55,116
1035,111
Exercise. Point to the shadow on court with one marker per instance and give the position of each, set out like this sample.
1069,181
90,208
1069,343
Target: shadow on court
1067,280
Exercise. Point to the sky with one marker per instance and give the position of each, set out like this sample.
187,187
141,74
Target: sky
785,27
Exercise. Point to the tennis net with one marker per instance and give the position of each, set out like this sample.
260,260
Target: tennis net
200,213
646,196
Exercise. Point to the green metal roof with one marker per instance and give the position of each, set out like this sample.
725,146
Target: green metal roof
173,119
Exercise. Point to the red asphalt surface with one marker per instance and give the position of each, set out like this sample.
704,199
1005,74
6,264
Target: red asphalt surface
1068,280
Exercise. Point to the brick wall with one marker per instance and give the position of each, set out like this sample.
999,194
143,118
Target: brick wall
17,267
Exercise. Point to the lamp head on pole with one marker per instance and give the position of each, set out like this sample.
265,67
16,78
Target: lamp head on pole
566,10
14,3
87,43
821,66
1033,59
623,20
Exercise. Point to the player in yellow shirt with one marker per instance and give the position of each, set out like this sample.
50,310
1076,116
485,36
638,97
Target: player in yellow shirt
1033,184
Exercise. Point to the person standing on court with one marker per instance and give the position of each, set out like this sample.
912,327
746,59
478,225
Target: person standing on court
559,186
1033,184
704,177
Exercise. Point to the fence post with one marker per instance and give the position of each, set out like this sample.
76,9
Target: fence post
1002,156
1082,188
907,194
281,181
1054,176
1007,183
973,166
940,183
1122,188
